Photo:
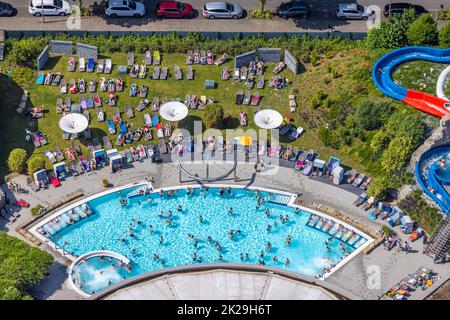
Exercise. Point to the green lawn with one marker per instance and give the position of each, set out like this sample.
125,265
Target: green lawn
305,86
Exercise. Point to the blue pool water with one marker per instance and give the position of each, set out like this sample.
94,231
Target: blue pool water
110,221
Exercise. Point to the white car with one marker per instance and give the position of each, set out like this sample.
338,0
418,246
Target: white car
353,11
124,8
49,8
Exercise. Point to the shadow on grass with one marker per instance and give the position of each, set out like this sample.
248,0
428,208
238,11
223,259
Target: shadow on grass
12,124
52,62
188,123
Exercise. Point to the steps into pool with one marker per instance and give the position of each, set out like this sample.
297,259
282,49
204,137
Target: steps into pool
279,198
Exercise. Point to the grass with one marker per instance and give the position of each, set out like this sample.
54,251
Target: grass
305,86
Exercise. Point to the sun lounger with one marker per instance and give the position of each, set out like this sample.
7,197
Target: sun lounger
156,73
111,126
81,64
107,143
244,73
261,82
221,59
247,98
189,73
92,86
87,115
155,104
360,200
148,58
147,120
292,103
236,74
156,58
97,101
163,147
72,64
100,66
225,73
279,67
90,65
189,57
202,103
255,98
178,74
243,118
164,73
250,82
142,71
83,102
67,102
81,86
100,114
209,57
143,91
203,59
65,135
142,105
59,106
359,179
239,97
51,156
72,86
108,66
116,114
129,111
130,58
56,79
103,84
40,78
133,90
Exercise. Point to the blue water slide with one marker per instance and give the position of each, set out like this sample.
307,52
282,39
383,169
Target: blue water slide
383,68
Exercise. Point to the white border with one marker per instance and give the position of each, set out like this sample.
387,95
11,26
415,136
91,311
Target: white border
339,265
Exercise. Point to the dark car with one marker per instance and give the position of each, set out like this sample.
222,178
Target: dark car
6,9
293,9
400,8
174,9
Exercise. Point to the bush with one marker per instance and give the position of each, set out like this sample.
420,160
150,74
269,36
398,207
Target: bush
314,58
36,210
105,183
16,160
35,164
260,14
423,31
21,266
395,157
444,36
388,232
371,115
213,116
25,51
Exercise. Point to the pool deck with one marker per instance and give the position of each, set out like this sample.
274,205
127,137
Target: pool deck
364,276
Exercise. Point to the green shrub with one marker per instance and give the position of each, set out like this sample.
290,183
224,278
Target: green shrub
371,115
35,164
16,160
21,266
105,183
444,14
36,210
260,14
423,31
388,232
444,36
213,116
314,58
24,52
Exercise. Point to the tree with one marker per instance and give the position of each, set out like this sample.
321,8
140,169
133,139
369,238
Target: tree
406,125
372,115
379,143
16,160
213,116
35,164
423,31
378,187
444,36
396,155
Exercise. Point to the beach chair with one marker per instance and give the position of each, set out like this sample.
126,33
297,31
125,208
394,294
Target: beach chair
143,91
83,102
133,90
225,73
40,78
244,73
178,74
59,106
130,58
90,65
81,65
239,97
203,59
156,58
92,86
100,66
189,73
202,103
67,102
147,120
81,86
72,64
255,98
116,114
156,73
87,115
236,74
155,104
65,135
111,126
107,143
247,97
129,111
261,82
292,103
164,73
97,100
56,79
189,57
142,71
221,59
63,86
90,101
142,105
148,58
100,114
108,66
209,57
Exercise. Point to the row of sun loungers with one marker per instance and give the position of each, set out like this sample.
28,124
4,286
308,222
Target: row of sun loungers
199,57
247,98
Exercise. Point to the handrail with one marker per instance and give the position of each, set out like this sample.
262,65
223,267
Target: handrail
199,179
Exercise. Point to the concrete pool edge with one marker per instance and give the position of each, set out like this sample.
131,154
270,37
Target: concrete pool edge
40,222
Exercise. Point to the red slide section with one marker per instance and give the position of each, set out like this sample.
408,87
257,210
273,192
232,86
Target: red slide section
427,103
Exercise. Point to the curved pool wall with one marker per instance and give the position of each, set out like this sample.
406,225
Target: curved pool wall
85,259
435,177
365,239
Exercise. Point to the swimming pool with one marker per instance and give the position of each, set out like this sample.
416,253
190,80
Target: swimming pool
169,245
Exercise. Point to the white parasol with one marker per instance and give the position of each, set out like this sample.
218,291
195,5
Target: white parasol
268,119
173,111
73,123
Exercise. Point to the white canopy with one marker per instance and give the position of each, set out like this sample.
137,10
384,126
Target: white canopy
173,111
268,119
73,123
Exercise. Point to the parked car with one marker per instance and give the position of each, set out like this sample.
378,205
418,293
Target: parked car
173,9
49,8
399,8
214,10
293,9
347,11
124,8
7,10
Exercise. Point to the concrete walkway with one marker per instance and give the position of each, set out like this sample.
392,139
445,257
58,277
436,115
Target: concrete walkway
365,276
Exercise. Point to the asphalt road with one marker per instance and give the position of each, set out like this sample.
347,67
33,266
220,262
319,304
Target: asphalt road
322,15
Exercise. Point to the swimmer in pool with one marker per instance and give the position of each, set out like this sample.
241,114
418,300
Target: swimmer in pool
229,191
179,208
230,211
151,228
287,262
200,218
